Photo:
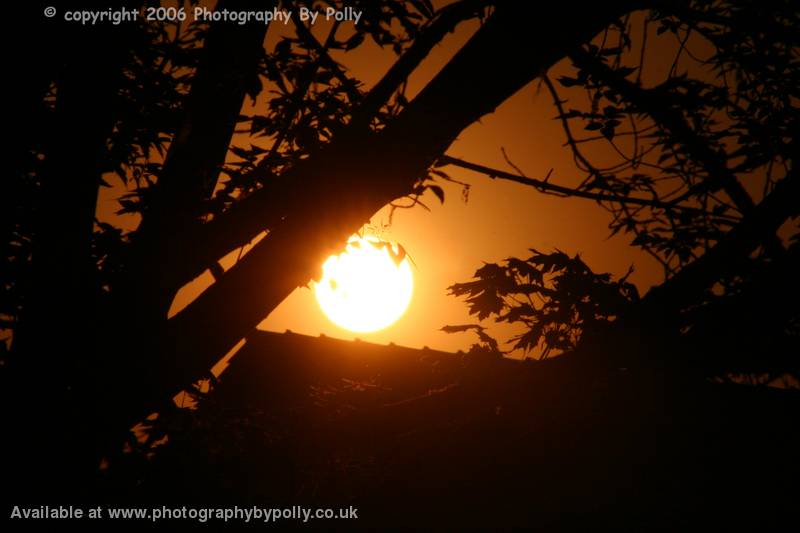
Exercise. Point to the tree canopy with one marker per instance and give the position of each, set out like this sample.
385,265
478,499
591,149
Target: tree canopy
222,141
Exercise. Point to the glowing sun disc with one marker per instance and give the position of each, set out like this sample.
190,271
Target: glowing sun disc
364,288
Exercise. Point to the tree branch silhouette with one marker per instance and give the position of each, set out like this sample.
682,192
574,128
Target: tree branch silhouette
659,104
339,188
227,71
545,186
262,210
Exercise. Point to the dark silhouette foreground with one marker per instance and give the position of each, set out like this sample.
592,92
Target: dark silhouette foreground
420,438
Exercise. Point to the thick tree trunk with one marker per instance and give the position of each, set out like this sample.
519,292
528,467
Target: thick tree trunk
263,210
53,340
229,68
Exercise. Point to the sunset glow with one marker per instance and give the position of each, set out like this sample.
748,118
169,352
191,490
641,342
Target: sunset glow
365,288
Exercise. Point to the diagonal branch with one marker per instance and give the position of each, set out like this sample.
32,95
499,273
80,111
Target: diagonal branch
191,167
229,64
732,249
265,208
445,22
648,331
551,188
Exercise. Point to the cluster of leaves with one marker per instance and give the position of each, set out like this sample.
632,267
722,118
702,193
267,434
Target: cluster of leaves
311,94
147,104
308,95
304,92
302,96
684,125
554,296
156,82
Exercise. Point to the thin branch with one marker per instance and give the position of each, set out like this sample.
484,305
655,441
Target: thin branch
445,21
558,102
544,186
324,57
661,109
298,95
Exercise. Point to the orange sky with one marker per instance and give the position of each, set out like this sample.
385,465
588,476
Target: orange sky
451,241
501,219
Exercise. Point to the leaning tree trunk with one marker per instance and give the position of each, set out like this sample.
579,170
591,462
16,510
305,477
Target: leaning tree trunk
142,294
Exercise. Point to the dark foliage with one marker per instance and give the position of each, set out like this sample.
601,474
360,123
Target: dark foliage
214,140
553,296
682,121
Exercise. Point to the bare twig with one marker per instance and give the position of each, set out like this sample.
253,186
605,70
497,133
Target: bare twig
544,186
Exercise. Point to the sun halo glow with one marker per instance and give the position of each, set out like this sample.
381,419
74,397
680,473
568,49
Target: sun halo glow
365,288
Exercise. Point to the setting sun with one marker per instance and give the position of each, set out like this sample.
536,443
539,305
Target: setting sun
367,287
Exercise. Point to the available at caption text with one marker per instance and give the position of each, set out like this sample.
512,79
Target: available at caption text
199,514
